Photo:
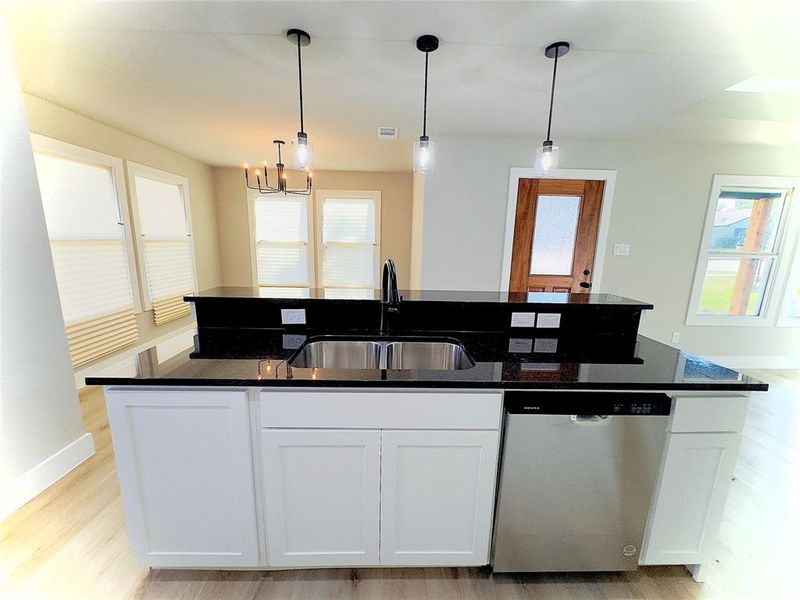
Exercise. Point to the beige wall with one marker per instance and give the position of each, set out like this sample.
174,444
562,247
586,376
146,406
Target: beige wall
234,230
659,208
59,123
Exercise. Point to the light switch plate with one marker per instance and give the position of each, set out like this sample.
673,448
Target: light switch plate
622,249
549,320
293,316
523,319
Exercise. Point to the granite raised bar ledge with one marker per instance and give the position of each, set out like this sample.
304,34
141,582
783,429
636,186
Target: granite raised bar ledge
554,298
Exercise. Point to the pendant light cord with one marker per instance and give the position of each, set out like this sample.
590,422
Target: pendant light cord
425,100
300,79
552,94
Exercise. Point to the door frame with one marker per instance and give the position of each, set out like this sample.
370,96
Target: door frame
517,173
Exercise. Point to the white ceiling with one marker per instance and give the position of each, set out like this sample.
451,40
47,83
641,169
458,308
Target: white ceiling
217,80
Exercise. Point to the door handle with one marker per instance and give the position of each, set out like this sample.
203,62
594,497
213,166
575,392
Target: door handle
587,419
586,284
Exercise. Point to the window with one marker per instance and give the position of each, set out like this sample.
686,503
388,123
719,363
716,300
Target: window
348,232
338,250
83,196
160,205
282,243
745,253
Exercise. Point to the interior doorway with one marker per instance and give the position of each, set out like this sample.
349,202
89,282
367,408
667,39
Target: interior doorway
555,235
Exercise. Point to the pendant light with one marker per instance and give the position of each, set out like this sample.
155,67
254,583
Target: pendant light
547,153
424,148
302,151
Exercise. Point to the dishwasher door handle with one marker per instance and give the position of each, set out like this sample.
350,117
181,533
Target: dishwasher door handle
588,419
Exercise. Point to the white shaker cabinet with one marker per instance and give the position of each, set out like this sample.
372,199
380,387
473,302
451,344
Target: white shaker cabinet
437,497
691,496
322,496
692,488
185,470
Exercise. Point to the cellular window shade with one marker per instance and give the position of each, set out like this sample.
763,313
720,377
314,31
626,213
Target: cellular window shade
348,243
89,255
282,254
166,247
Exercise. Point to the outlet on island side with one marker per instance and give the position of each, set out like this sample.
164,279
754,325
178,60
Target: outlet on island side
293,316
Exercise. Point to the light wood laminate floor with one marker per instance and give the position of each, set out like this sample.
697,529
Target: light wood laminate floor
71,542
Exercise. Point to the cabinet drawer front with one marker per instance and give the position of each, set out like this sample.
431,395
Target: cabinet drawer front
708,414
381,410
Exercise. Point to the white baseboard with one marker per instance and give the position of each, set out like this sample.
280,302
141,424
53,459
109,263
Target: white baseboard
33,482
756,362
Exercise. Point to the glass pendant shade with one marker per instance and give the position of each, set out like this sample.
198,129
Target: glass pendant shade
302,153
546,158
424,154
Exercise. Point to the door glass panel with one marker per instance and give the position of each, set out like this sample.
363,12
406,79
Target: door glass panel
554,234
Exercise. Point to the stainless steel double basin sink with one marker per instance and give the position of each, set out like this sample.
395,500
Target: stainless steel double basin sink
441,354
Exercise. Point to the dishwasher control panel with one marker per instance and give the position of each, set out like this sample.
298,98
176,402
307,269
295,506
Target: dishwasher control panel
587,403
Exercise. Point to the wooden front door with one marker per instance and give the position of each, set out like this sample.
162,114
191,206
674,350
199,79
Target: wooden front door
555,235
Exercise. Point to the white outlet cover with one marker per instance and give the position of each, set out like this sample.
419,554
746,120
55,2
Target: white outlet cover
293,316
622,249
523,319
549,321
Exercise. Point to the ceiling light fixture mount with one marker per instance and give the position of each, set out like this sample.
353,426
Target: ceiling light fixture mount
302,151
547,153
424,148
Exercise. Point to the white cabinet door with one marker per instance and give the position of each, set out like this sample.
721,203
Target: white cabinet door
437,497
690,497
322,493
185,470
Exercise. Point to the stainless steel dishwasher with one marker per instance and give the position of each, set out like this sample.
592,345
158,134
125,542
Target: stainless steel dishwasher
577,478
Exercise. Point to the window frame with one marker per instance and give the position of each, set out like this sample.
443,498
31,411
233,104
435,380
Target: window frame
133,170
252,196
319,199
793,271
785,242
47,145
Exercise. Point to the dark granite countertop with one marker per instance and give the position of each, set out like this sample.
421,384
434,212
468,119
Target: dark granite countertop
502,360
549,298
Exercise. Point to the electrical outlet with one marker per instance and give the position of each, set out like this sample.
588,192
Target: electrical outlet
293,316
622,249
524,345
549,321
523,319
676,337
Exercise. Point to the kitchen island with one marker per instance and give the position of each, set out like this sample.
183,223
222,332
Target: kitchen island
231,456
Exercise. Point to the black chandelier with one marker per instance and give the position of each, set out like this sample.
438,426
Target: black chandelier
302,151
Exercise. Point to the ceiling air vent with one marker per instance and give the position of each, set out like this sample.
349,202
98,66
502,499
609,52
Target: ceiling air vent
387,133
